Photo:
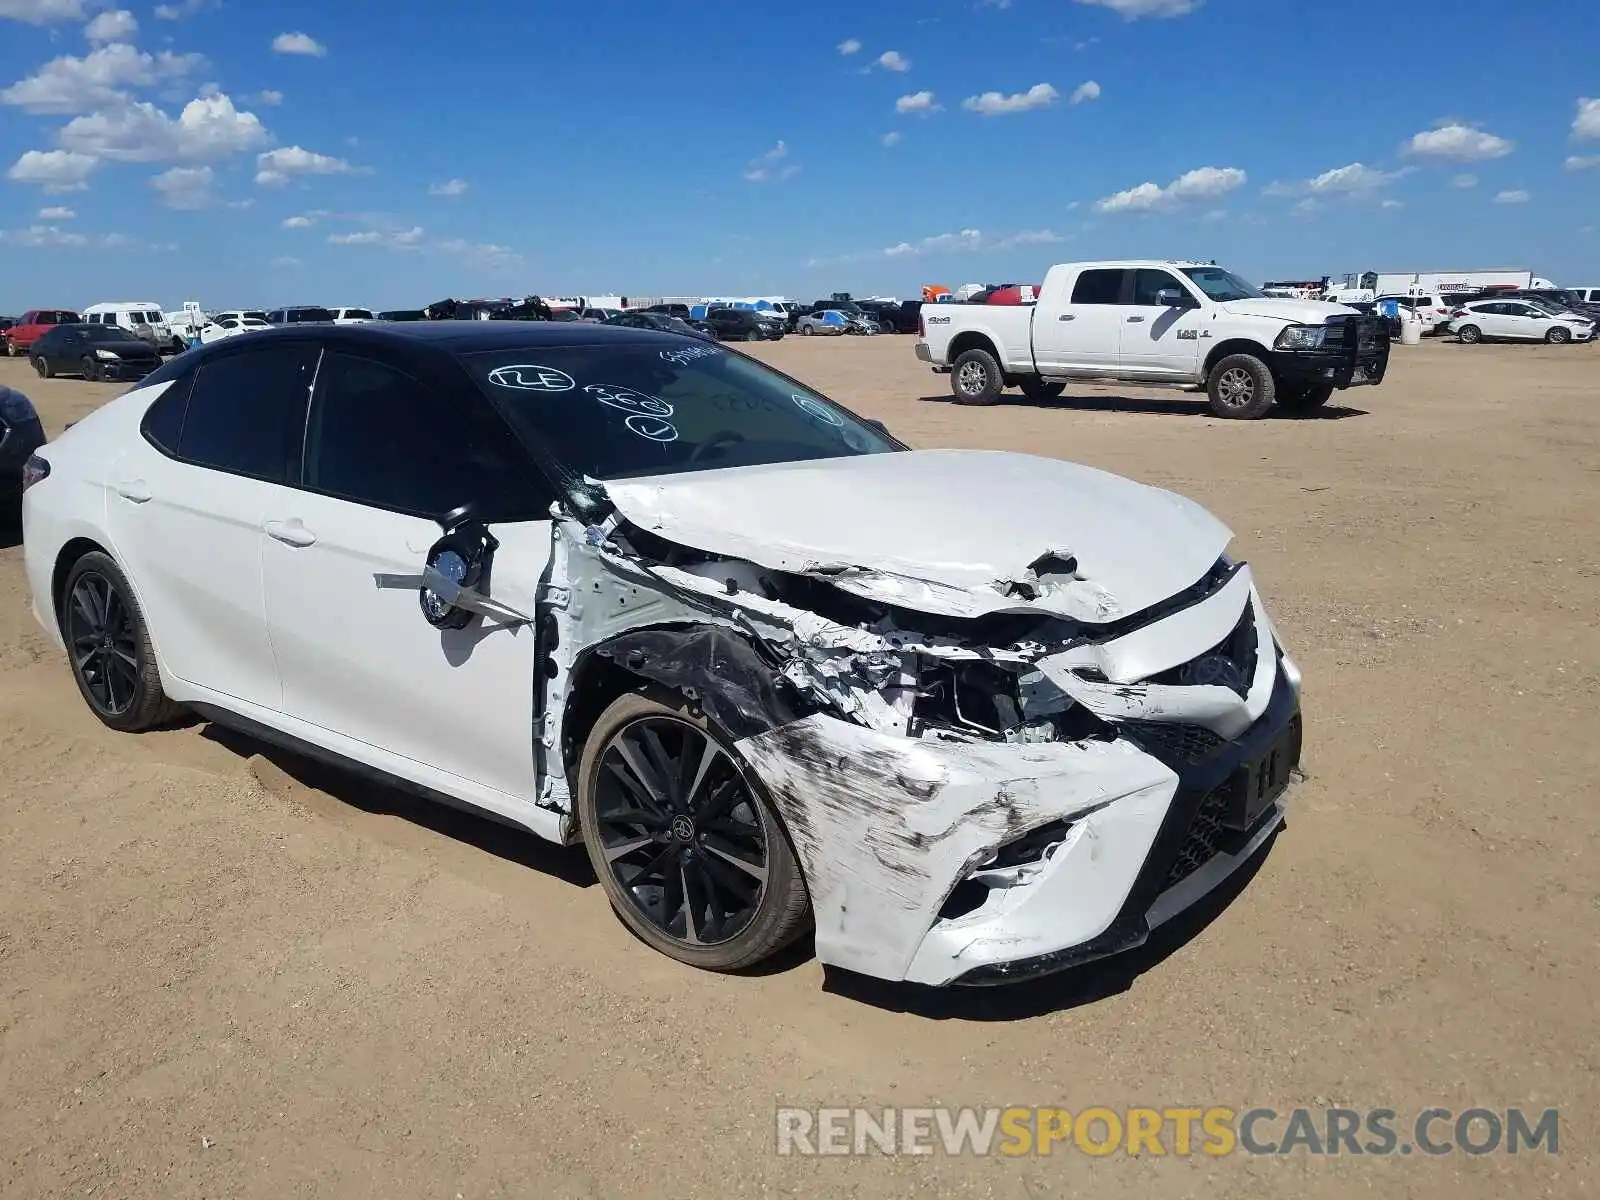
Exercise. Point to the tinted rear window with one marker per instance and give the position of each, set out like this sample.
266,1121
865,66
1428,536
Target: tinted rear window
246,412
1097,287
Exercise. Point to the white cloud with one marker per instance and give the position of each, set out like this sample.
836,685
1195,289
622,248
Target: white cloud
116,25
275,167
184,8
770,167
484,255
891,138
41,12
893,60
1455,142
287,260
56,212
1084,91
996,104
1464,180
298,222
916,102
1355,180
1391,203
850,46
450,187
54,170
1514,196
962,241
186,188
1132,10
41,235
298,43
1587,123
75,85
398,239
1582,162
208,127
269,98
1203,183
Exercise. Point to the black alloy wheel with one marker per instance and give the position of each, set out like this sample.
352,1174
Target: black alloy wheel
685,842
103,644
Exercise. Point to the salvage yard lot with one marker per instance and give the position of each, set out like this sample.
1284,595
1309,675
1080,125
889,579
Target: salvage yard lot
225,973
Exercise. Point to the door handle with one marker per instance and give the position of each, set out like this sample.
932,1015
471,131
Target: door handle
1134,320
291,532
135,490
1067,317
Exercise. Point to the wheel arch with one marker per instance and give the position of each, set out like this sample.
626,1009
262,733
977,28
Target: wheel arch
971,339
74,549
1236,346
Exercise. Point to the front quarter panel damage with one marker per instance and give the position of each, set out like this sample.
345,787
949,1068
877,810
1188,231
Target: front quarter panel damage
885,826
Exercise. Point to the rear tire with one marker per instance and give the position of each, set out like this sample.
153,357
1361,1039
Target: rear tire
1241,388
109,651
1306,399
42,365
1558,336
975,378
727,874
1469,335
1035,388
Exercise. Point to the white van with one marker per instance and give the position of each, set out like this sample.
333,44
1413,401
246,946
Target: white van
142,318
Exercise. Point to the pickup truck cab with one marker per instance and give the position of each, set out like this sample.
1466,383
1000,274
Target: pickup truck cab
34,324
1190,325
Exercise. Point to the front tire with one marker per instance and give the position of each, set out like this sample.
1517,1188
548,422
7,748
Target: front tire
806,331
1558,336
1035,388
109,650
1306,400
1469,335
684,839
1241,388
90,369
975,378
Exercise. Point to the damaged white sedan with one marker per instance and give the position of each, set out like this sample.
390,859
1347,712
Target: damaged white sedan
971,716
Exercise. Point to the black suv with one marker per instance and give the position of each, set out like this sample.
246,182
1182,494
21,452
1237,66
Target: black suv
741,325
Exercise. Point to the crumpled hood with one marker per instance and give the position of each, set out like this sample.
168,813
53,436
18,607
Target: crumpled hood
945,531
1299,312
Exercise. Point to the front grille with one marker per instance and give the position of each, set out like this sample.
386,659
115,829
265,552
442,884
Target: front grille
1191,744
1207,836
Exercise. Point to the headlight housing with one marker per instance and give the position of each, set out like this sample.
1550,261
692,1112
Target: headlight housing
15,408
106,355
1301,337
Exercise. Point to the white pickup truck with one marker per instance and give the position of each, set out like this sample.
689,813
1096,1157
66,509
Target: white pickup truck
1183,324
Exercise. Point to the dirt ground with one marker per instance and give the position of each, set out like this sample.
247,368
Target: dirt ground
222,974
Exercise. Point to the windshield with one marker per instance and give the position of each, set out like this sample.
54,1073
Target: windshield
306,315
1222,285
358,314
658,408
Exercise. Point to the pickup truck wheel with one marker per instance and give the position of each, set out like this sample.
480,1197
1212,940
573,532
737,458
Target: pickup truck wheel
1035,388
1241,388
975,378
1306,399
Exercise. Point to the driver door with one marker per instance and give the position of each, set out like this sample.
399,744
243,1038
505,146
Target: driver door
384,453
1163,327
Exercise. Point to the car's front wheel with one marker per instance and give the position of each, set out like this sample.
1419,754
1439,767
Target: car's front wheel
89,368
684,838
109,649
1241,388
1558,336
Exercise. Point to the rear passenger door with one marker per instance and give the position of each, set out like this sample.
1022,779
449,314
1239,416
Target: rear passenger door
186,508
1083,334
386,452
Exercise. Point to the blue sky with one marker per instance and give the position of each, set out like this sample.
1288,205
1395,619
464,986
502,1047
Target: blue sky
393,152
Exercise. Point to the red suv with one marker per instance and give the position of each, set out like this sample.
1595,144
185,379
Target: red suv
34,324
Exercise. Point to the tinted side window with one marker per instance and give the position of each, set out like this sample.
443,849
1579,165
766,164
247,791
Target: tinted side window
1097,287
246,412
1148,283
376,436
163,420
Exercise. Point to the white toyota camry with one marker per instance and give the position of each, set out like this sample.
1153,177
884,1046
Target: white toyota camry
971,716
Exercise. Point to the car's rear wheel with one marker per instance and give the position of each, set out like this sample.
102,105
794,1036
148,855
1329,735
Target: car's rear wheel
90,369
684,838
1241,388
109,647
1470,334
1557,336
42,365
975,378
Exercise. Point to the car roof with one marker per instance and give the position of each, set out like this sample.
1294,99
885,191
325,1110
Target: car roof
471,337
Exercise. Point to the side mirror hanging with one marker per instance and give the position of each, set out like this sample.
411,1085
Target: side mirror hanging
457,562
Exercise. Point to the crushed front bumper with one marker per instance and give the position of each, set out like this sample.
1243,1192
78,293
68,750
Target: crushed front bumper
887,828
